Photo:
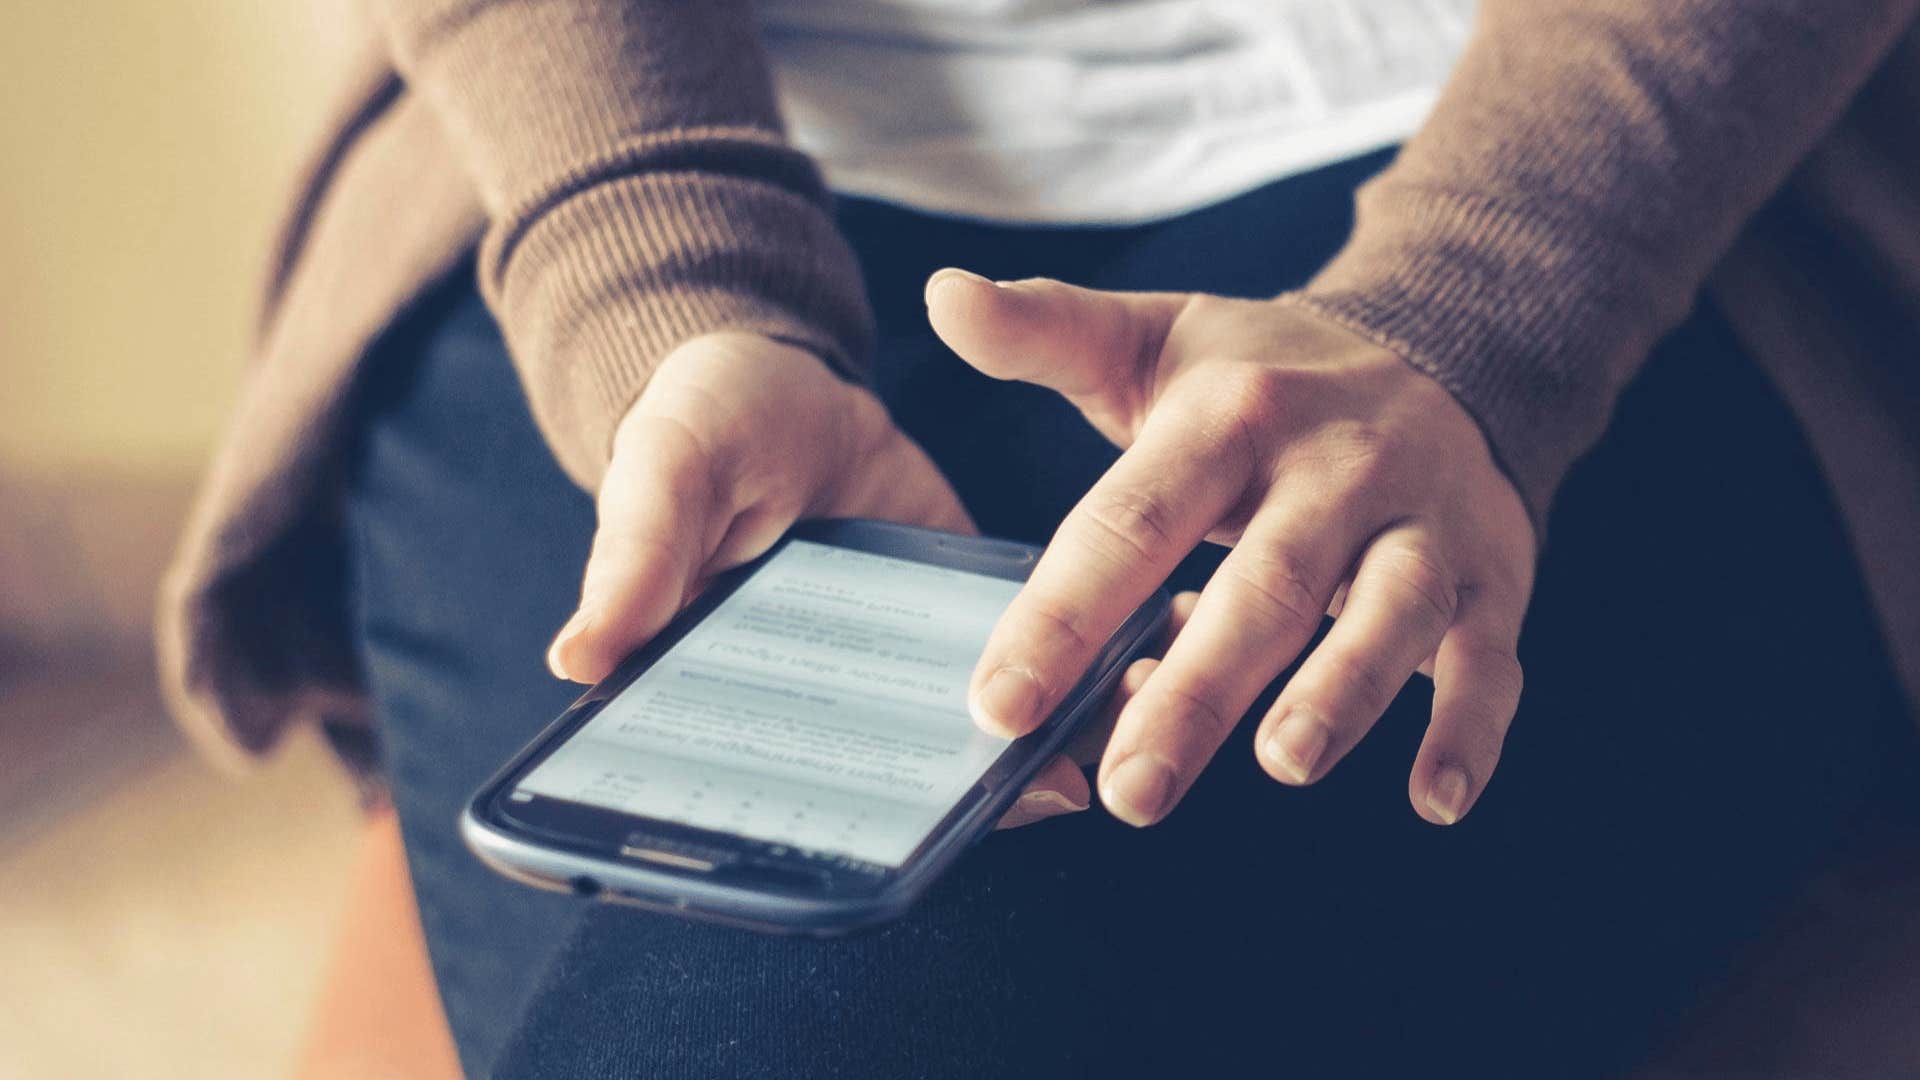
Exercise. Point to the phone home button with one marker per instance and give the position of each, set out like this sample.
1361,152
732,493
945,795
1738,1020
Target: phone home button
676,853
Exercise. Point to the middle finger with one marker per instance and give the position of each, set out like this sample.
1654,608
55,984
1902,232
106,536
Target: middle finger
1401,604
1261,608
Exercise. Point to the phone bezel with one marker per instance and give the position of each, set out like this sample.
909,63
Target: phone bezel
558,844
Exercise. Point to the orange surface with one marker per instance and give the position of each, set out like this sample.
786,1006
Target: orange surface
379,1014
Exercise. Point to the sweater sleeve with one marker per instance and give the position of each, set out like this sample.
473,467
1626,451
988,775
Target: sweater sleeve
639,192
1587,165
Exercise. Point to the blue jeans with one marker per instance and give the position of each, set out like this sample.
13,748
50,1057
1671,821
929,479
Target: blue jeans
1708,711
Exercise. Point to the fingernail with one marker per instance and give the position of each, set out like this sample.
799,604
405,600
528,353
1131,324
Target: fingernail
1447,796
567,633
954,273
1297,743
1138,789
1045,802
1007,703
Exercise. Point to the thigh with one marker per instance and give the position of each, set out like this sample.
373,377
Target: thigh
1707,709
1710,706
466,544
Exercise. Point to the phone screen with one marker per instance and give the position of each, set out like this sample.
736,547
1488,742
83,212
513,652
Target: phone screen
821,705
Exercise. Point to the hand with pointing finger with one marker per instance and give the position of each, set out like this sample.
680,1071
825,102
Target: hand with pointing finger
1329,465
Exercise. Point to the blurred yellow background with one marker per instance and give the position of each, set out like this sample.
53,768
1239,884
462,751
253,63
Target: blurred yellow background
148,149
156,920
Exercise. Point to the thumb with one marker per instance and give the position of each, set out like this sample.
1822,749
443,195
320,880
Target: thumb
658,516
1094,346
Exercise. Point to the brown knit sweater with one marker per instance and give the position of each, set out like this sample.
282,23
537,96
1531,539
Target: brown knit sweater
1591,167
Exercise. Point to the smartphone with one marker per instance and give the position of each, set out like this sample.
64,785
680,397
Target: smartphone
793,752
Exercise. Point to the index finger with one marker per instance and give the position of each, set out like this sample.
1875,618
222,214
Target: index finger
1116,546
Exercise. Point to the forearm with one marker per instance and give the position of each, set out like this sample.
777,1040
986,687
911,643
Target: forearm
640,193
1586,167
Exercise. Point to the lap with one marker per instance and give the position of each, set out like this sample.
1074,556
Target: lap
464,549
1707,706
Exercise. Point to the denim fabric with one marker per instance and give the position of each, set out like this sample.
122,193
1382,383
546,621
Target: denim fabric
1708,711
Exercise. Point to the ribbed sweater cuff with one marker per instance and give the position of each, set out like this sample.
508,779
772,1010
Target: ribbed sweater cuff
612,272
1523,319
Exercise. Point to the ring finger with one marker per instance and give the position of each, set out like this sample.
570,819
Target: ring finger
1401,603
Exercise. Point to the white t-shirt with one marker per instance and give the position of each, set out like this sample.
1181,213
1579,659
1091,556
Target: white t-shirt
1099,111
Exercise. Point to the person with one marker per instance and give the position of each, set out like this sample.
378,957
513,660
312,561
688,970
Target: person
1371,409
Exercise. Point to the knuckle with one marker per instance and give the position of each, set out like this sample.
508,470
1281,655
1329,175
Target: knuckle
678,458
1363,680
1360,457
1136,525
1483,714
1504,584
1421,583
1500,672
865,417
1282,591
1192,714
1255,396
1055,631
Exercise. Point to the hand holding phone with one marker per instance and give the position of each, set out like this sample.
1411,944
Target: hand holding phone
793,752
736,437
